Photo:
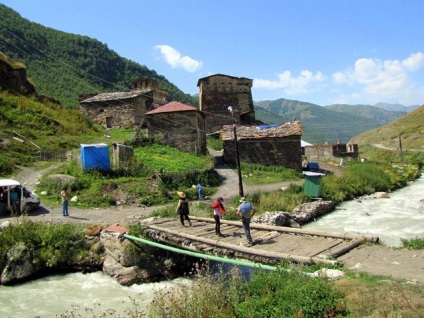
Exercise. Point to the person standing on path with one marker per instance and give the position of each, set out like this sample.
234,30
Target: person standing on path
218,212
182,208
199,191
64,194
245,211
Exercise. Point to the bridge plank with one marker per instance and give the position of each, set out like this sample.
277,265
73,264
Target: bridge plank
272,243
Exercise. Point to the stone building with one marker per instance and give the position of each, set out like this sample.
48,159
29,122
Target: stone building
218,92
332,152
178,125
275,145
123,109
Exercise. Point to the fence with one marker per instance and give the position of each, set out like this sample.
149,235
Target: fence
55,155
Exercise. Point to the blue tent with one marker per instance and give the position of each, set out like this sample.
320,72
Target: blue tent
95,156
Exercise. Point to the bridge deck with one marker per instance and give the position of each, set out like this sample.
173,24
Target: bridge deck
272,244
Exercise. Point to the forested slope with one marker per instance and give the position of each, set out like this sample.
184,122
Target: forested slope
64,65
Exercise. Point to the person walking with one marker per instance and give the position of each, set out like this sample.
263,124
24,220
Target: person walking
218,212
182,208
245,211
64,194
199,191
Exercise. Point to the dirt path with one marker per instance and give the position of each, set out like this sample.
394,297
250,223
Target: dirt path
375,259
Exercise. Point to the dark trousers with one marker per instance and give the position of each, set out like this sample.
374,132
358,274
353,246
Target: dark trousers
217,224
246,227
184,216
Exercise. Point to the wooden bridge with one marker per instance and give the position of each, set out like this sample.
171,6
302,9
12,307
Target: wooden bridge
272,244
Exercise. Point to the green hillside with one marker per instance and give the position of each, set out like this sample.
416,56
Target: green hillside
268,117
409,127
319,123
65,65
374,113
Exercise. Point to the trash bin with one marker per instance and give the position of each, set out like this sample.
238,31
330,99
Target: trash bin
312,185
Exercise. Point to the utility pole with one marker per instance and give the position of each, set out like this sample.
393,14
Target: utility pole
241,192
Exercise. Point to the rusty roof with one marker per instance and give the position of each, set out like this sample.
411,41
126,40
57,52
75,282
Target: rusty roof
291,128
115,96
172,107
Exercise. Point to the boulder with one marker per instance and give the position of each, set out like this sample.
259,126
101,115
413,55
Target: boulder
19,265
311,210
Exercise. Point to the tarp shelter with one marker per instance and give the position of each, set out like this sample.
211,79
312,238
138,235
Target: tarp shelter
312,185
95,156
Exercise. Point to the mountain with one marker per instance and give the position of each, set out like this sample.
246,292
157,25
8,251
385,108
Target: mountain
374,113
410,128
397,107
320,124
64,65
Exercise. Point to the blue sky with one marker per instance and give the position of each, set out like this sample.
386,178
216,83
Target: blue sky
317,51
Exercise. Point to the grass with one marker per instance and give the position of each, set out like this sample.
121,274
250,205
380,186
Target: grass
288,294
416,243
170,160
256,174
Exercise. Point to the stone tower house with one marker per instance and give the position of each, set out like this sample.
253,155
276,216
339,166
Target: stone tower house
218,92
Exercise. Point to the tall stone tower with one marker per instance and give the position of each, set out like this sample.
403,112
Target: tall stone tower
218,92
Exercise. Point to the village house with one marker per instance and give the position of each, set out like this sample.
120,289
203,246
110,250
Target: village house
218,92
123,109
332,152
178,125
274,145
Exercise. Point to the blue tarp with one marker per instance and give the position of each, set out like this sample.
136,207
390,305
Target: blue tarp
267,126
95,156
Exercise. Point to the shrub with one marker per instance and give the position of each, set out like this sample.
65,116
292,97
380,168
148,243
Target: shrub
51,245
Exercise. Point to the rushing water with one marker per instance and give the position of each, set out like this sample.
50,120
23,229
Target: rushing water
54,295
399,217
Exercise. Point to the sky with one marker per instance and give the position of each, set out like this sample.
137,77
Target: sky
318,51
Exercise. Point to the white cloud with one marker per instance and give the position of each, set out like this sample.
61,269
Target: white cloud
414,62
291,85
381,80
176,60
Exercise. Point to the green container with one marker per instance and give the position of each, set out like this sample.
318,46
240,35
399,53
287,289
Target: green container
312,185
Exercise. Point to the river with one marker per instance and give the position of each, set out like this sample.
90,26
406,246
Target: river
393,219
399,217
54,295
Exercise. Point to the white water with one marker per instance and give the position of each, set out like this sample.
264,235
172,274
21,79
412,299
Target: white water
399,217
54,295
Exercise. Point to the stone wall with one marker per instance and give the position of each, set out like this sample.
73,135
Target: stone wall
333,152
284,151
122,114
217,93
182,130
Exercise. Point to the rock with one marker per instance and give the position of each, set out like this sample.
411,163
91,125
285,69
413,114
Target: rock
74,199
381,195
19,265
5,224
328,273
311,210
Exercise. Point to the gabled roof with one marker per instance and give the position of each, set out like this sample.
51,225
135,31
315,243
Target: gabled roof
172,107
114,96
292,128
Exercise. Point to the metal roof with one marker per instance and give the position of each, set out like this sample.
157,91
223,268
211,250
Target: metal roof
172,107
